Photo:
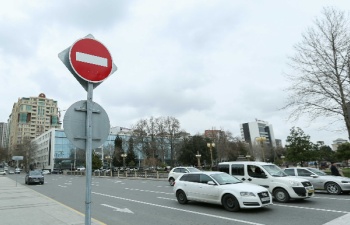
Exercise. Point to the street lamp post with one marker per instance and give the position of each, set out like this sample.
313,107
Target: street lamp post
261,140
199,159
123,155
211,145
282,157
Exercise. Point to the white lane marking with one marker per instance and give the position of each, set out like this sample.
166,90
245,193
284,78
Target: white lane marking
62,186
183,210
122,183
118,209
299,207
343,220
87,58
340,199
67,183
168,198
158,192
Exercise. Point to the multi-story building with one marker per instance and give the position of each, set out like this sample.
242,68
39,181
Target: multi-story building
279,143
338,142
259,128
3,135
213,134
31,117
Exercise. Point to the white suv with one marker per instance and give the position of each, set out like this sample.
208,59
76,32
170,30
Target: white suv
177,171
270,176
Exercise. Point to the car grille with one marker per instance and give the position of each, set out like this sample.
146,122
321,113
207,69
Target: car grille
264,195
306,184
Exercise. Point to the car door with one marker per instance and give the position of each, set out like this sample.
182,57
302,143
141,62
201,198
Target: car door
257,175
306,174
207,193
192,186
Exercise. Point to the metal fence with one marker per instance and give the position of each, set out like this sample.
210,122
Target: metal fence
128,174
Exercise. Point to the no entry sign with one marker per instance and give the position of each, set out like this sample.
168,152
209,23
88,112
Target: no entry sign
91,60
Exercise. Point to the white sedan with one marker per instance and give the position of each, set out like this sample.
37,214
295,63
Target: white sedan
222,189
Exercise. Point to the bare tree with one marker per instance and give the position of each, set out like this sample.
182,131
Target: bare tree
173,128
27,149
320,82
162,143
139,134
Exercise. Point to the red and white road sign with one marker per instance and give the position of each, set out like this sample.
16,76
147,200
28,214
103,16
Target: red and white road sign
91,60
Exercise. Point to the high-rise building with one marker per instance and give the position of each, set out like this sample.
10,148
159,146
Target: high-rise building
31,117
259,128
3,135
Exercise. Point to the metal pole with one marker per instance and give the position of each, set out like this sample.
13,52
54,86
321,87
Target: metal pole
16,173
75,157
88,154
262,149
211,154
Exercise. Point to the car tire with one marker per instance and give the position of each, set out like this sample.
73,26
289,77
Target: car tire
42,183
333,188
171,181
25,181
281,195
230,203
181,197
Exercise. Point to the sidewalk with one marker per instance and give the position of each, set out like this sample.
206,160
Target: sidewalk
21,205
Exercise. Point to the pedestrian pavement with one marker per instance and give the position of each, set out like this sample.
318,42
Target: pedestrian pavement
22,205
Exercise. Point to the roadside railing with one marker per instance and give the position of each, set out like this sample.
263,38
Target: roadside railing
123,174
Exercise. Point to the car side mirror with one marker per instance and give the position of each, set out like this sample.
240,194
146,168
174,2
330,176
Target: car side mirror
314,175
211,183
186,171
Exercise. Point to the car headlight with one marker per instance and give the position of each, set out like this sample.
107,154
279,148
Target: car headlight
345,182
295,183
247,194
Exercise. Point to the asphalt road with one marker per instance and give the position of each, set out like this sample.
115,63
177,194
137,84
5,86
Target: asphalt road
123,201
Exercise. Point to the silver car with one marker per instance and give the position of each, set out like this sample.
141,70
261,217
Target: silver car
320,180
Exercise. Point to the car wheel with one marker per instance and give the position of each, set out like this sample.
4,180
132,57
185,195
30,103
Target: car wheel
171,181
181,197
25,181
42,183
230,203
333,188
281,195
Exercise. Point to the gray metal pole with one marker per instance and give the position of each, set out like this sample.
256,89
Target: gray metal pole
16,173
88,154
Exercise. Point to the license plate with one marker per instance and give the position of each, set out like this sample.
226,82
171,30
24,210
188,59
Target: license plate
37,180
265,199
311,191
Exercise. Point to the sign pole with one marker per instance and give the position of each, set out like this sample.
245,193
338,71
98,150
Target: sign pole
88,153
16,173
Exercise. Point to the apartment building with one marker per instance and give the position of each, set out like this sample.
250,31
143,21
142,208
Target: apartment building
31,117
3,135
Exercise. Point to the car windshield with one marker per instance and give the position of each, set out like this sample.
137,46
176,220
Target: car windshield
224,178
193,170
275,171
34,173
318,172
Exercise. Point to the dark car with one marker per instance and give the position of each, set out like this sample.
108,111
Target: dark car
34,177
56,172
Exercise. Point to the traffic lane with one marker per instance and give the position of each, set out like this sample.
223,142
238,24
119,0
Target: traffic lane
144,212
120,186
286,215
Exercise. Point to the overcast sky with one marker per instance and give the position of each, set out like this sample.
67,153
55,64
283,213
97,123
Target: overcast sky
207,63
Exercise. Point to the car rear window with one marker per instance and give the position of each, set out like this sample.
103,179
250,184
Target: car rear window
224,168
237,169
193,178
184,177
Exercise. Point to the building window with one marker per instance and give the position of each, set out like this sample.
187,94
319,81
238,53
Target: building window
28,108
22,106
23,117
54,120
